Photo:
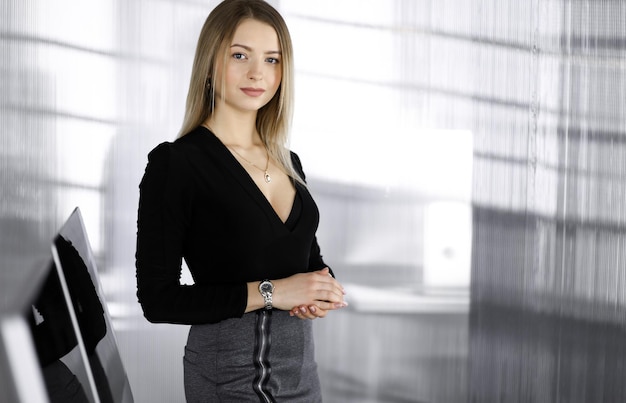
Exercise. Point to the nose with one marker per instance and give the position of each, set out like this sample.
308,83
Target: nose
255,72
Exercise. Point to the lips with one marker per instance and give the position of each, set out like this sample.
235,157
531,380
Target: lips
253,92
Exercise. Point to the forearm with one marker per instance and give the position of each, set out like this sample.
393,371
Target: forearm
255,300
166,301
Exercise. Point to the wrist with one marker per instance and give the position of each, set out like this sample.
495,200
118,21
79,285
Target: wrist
276,295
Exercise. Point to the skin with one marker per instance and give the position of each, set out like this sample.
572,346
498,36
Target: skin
245,83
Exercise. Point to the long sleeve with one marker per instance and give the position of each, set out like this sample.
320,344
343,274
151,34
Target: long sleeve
166,205
316,262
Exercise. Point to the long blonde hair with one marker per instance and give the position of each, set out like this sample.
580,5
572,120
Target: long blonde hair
274,119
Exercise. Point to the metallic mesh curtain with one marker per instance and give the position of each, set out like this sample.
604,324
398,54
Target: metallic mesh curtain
551,156
548,274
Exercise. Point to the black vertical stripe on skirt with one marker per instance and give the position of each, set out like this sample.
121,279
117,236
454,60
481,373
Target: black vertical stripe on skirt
262,345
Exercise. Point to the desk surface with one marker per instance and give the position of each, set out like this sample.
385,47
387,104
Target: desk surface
393,300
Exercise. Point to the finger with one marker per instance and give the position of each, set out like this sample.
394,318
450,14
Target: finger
336,285
324,271
311,312
334,291
307,313
320,313
331,306
302,312
330,296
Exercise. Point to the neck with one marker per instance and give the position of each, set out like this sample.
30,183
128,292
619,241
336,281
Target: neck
235,128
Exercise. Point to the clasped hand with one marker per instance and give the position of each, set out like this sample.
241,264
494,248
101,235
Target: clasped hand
309,295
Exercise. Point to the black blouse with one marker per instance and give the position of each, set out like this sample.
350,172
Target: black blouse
198,203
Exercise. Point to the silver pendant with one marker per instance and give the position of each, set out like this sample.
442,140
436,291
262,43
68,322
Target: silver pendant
268,178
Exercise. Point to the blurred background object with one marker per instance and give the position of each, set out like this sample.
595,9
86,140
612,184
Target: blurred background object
468,159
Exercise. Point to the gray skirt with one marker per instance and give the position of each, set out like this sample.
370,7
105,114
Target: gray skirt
265,356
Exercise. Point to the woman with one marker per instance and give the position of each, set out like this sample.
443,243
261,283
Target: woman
230,199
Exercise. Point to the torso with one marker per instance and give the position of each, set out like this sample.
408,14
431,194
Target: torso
236,222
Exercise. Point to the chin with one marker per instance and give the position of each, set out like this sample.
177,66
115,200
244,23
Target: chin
256,106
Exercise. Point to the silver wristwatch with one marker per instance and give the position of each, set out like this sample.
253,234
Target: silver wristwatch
266,288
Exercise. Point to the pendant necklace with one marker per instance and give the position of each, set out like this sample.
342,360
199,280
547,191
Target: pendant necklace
266,174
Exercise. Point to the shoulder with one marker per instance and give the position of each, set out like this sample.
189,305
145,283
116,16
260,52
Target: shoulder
176,150
167,174
194,137
295,159
297,163
164,155
169,160
164,166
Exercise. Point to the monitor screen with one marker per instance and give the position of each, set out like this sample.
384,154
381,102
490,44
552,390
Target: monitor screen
59,347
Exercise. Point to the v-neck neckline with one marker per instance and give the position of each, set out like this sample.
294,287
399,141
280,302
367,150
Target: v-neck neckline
250,185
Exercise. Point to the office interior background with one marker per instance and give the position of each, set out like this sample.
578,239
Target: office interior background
468,158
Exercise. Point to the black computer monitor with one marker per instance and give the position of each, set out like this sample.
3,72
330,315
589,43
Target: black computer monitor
56,339
42,356
77,270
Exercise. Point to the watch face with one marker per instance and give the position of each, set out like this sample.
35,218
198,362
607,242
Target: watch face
266,286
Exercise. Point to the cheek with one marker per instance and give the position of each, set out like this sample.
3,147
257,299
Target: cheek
276,77
231,75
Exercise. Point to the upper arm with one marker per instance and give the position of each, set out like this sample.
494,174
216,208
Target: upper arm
165,199
166,210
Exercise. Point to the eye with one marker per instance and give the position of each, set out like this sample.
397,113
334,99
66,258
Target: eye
239,56
272,60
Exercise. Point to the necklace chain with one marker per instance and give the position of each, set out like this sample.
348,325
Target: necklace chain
266,174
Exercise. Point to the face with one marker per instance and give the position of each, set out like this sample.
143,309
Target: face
252,71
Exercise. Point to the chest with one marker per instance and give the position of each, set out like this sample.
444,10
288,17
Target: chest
277,189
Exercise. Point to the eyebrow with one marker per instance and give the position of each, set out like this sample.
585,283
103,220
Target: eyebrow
249,49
